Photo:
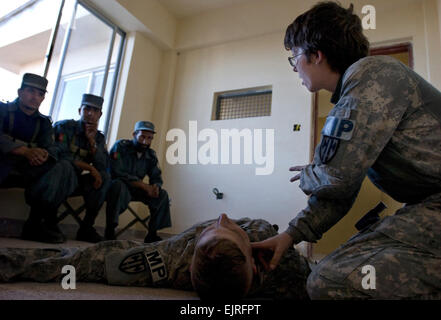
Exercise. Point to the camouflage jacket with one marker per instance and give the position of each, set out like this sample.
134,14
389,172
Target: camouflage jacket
160,264
167,264
386,124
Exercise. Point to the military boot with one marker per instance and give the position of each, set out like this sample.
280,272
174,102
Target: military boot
109,233
152,237
35,230
51,223
88,233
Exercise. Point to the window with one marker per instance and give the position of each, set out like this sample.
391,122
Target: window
246,103
70,94
11,7
75,47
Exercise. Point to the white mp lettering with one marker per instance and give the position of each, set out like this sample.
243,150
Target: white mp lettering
369,281
369,20
68,281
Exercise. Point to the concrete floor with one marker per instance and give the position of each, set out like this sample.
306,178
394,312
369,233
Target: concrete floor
83,291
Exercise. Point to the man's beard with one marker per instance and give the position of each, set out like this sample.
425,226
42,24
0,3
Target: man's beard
140,147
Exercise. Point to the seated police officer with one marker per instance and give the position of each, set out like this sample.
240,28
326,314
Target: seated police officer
130,162
28,157
84,146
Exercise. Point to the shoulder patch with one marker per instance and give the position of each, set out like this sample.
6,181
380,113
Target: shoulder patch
137,263
328,148
339,128
134,263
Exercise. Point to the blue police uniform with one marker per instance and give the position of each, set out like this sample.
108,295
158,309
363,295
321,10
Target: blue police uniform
18,129
45,186
129,164
73,145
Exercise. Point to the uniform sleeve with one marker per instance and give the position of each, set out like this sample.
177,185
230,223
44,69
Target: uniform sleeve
154,172
101,159
62,141
45,138
373,101
6,142
117,167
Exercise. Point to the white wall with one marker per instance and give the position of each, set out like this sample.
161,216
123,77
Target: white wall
250,63
240,47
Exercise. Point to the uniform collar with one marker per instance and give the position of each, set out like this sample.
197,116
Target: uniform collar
337,93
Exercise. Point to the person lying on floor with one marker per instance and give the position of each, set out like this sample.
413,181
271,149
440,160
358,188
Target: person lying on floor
214,258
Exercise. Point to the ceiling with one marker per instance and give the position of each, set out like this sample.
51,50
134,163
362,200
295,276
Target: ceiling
186,8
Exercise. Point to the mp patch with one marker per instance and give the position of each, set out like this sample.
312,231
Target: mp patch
133,264
339,128
157,266
328,148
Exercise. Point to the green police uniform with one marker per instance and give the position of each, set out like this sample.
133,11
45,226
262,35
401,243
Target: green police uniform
386,124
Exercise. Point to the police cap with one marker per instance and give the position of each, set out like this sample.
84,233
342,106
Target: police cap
145,126
34,81
92,100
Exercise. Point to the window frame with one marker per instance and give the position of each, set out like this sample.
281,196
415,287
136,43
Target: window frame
91,74
248,92
116,30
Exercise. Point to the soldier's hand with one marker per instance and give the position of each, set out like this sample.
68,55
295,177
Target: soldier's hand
297,176
36,156
97,177
90,130
270,251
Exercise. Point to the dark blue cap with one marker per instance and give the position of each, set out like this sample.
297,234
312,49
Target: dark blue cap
145,126
92,100
35,81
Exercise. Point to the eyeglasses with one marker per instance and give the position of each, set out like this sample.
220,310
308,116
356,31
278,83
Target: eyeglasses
294,60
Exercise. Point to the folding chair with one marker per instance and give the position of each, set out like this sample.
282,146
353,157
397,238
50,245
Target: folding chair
75,213
143,221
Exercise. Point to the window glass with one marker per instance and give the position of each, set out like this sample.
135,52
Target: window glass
71,97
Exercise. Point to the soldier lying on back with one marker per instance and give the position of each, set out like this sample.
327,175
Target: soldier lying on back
214,256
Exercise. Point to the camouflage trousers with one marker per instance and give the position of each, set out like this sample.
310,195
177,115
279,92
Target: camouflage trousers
45,265
398,257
